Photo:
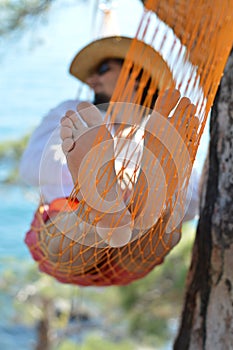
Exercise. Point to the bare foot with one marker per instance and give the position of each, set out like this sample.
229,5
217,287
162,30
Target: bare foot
167,153
89,150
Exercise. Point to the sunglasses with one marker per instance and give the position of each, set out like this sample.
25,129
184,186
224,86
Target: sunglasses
103,68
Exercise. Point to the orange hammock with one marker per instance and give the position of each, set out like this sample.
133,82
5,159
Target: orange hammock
194,38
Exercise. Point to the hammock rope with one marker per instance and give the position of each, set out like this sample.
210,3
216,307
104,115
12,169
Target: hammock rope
194,38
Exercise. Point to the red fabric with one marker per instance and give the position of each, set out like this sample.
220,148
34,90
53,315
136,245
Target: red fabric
105,275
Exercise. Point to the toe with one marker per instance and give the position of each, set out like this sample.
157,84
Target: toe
185,121
90,114
66,128
71,119
167,101
182,112
192,134
70,113
65,121
67,145
76,121
65,132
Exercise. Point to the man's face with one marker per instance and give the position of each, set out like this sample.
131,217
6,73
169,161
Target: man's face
103,81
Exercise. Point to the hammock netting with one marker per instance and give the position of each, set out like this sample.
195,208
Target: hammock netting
194,39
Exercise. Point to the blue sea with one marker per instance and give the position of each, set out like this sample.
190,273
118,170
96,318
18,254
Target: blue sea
15,215
34,78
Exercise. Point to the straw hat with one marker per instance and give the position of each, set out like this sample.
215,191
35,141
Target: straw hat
91,56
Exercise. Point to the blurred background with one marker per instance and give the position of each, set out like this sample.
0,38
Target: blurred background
36,311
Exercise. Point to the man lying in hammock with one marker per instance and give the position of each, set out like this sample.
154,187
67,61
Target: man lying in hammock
108,231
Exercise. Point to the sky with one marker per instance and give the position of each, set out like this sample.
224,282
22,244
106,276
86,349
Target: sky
34,68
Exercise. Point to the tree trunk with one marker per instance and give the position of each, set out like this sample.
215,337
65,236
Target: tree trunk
44,341
207,318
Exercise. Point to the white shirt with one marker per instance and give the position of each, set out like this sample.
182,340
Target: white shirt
43,163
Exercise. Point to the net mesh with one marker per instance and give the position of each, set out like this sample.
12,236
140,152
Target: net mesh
130,195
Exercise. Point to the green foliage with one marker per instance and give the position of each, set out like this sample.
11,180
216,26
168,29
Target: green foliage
15,15
97,343
152,304
10,154
13,149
